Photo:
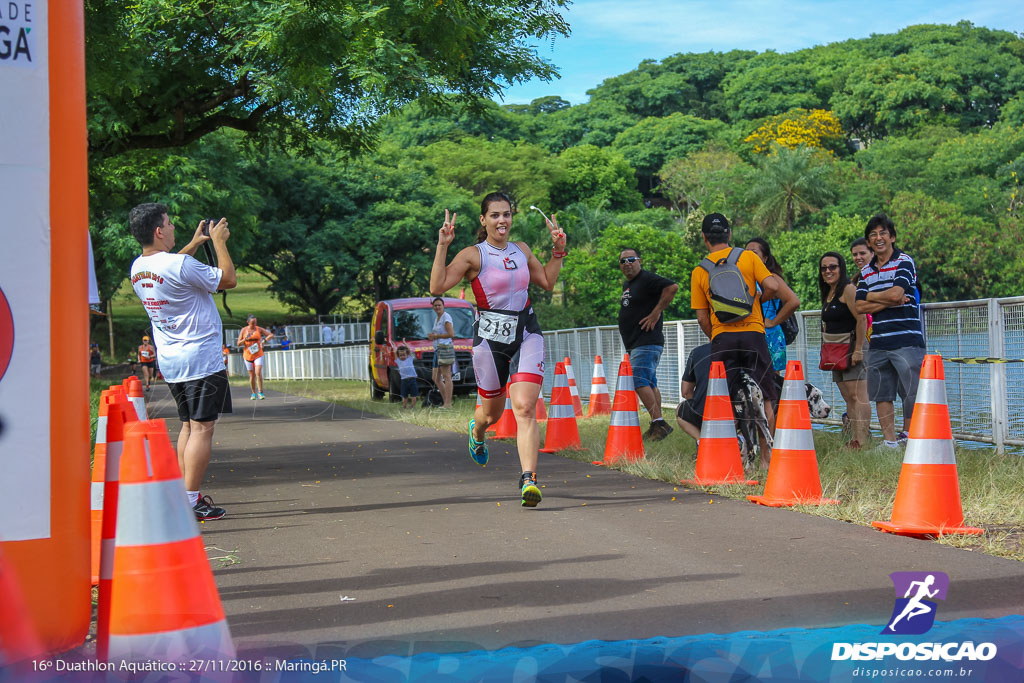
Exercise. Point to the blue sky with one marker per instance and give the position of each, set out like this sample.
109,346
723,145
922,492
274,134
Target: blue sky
611,37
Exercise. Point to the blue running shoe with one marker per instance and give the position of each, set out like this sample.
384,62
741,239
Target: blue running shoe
531,492
477,449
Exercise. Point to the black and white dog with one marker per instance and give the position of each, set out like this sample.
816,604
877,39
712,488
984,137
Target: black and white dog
748,407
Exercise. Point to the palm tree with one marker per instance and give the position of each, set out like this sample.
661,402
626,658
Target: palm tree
791,182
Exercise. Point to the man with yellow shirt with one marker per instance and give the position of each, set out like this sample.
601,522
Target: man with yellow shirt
739,343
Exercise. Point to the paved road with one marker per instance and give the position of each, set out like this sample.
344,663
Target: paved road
325,503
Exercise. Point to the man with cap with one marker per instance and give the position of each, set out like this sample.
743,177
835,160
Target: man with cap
147,359
739,342
644,296
177,293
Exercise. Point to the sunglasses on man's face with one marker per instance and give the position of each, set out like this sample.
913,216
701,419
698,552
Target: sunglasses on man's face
629,259
829,267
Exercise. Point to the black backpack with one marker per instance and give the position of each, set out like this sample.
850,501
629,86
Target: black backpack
790,329
730,298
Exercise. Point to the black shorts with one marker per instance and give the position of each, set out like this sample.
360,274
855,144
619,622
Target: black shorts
202,400
148,364
686,413
746,351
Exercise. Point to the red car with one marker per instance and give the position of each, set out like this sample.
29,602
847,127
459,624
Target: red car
408,321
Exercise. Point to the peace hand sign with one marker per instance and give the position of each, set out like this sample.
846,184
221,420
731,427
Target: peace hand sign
557,234
446,235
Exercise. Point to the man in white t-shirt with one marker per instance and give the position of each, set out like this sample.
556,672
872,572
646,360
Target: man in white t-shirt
326,335
177,293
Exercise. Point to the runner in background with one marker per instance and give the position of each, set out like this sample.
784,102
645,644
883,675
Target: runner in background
251,338
508,344
147,359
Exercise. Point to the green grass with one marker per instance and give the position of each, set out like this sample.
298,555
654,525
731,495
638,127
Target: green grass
864,481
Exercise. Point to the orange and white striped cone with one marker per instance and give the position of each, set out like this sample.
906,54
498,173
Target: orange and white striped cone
577,404
928,493
600,402
542,412
137,399
718,455
119,414
165,605
506,427
625,441
99,475
562,431
19,642
793,477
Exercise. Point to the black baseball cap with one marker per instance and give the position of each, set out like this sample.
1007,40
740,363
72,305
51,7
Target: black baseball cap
715,222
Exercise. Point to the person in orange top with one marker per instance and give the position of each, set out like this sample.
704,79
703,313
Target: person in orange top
739,344
227,354
251,339
147,359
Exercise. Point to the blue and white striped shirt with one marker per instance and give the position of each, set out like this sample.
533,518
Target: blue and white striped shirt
894,327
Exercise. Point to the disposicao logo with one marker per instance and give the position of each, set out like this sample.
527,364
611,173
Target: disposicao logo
914,611
914,614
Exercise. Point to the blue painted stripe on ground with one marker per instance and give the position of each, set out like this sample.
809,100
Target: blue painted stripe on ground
787,655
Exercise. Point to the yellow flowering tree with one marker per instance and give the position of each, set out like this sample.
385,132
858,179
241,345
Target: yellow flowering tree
817,128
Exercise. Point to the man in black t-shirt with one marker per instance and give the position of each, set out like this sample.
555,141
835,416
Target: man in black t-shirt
644,296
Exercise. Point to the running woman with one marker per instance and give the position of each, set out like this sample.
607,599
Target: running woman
251,339
147,359
507,343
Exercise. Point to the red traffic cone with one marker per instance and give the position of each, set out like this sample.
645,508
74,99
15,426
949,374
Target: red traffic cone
577,404
137,399
506,427
165,605
562,431
600,402
625,440
928,493
793,477
718,456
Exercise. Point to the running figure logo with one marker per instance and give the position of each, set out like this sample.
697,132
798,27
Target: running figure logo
914,613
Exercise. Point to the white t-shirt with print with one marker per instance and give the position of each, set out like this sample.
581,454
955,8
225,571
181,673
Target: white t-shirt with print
177,293
439,328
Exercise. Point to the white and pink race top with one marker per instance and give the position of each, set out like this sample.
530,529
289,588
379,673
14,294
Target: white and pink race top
503,279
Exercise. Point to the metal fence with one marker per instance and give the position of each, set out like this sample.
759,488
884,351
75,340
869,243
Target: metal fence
311,335
986,401
330,362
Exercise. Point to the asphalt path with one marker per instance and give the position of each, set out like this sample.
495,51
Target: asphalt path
354,534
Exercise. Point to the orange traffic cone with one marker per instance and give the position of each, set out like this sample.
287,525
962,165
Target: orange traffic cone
99,474
119,414
600,403
718,455
625,440
793,477
165,605
137,398
542,413
928,493
506,427
577,404
562,431
19,641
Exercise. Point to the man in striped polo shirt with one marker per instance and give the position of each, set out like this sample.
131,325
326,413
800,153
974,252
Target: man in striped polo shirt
886,290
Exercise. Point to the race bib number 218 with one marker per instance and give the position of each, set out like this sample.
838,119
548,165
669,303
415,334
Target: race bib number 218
497,327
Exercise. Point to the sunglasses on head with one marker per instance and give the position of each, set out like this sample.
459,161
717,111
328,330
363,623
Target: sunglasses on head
830,267
629,259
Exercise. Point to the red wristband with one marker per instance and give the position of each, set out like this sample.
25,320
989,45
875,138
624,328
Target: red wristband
559,254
